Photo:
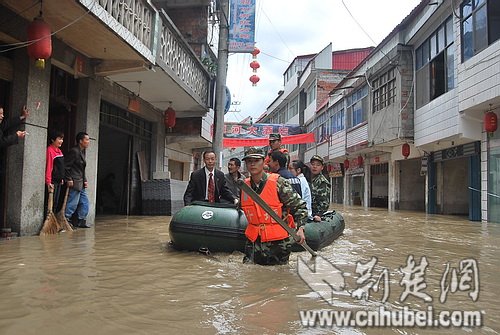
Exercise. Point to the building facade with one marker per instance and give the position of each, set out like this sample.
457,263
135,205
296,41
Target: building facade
406,125
115,68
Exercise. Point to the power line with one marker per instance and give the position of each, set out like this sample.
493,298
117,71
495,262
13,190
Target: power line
268,55
359,25
279,35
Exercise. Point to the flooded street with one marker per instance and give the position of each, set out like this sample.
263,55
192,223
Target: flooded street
122,278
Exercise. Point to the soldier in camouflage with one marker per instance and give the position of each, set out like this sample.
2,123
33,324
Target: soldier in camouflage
320,188
277,251
275,145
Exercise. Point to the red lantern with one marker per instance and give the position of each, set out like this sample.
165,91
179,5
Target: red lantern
330,167
254,65
405,150
360,160
39,36
169,119
254,79
255,52
490,122
346,164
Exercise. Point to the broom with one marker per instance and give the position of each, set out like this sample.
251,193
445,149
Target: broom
50,226
61,219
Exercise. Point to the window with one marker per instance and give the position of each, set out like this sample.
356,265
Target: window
290,73
435,64
311,94
338,121
357,106
321,131
384,90
310,129
337,117
480,25
293,107
281,116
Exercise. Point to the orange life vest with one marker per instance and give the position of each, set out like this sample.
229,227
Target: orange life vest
259,222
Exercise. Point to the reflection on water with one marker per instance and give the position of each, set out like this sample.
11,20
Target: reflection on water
122,278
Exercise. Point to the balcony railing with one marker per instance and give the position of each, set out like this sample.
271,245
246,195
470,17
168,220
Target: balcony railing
135,15
161,43
128,18
176,57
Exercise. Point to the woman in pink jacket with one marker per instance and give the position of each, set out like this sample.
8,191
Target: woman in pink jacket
54,172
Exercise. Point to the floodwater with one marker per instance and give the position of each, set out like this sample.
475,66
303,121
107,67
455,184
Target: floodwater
122,278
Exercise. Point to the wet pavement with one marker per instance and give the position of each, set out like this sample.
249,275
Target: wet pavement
122,278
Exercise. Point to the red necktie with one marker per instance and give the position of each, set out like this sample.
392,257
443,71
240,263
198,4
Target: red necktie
211,188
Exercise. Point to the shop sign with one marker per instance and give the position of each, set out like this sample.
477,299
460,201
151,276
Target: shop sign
355,167
335,171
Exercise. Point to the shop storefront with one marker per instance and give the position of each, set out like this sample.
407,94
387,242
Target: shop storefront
355,175
412,184
379,184
336,175
455,181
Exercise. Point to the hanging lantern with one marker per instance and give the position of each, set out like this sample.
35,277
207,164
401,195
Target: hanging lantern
169,118
490,122
254,79
360,160
40,46
330,167
255,52
133,104
346,164
405,150
254,65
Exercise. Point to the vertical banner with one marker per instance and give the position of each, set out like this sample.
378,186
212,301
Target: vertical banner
241,25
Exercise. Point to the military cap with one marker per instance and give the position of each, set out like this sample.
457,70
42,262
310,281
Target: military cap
254,153
317,158
274,137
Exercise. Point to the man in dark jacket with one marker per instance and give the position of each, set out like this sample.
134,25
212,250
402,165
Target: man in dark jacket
208,184
7,139
75,164
278,164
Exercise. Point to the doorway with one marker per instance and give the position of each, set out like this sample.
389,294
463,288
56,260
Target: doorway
124,155
113,179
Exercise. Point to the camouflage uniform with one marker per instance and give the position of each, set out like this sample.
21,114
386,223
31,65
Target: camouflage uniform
277,252
320,192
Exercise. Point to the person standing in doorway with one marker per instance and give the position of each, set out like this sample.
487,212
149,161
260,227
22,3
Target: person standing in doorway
6,126
320,188
75,164
232,177
208,183
54,170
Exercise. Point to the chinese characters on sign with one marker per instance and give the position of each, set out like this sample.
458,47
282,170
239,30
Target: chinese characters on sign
242,25
258,130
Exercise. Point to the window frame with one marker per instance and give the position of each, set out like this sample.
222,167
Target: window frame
384,90
432,87
478,40
356,105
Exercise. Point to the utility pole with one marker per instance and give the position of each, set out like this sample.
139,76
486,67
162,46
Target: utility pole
221,79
